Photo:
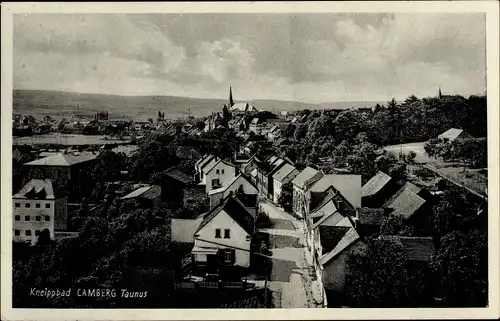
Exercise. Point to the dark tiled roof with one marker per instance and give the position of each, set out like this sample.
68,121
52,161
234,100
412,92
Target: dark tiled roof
205,161
319,199
153,193
235,209
404,203
178,175
371,216
305,177
330,236
187,152
412,187
375,184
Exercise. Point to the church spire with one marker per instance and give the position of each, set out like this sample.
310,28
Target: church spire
231,102
439,93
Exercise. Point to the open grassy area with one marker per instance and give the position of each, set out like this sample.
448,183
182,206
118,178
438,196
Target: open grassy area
470,178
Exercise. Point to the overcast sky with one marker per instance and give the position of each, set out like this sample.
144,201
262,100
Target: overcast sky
305,57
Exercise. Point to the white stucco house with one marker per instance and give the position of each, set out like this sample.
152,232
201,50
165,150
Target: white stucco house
224,235
216,173
240,183
38,205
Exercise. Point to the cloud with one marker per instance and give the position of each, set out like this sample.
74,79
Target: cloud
310,57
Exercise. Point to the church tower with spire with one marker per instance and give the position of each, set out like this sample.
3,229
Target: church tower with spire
439,93
231,101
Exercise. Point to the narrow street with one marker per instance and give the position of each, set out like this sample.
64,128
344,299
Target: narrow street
290,280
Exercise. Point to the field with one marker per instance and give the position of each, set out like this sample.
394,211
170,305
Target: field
472,179
62,139
65,105
418,148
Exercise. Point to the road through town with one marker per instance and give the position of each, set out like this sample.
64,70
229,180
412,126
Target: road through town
290,280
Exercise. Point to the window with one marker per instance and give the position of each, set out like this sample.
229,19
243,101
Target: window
17,204
47,205
217,172
228,256
226,234
27,218
37,232
38,218
37,205
215,183
248,238
222,171
27,232
47,218
17,232
217,233
17,218
27,205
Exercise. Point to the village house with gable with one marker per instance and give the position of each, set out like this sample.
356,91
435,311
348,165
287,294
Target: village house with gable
238,184
38,205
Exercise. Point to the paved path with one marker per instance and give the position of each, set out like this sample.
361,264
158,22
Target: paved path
290,279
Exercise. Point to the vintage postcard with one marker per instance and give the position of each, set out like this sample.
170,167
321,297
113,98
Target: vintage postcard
250,160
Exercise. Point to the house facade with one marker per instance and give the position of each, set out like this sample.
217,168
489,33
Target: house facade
301,184
240,183
217,173
256,126
224,236
37,206
281,177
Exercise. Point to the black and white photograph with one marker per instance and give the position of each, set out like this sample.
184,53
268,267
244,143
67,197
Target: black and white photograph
248,160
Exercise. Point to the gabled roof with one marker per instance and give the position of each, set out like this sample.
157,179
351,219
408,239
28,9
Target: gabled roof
178,175
231,182
147,192
348,185
235,209
451,134
330,236
404,203
412,187
61,159
186,152
207,167
37,189
375,184
306,177
283,172
371,216
417,248
204,161
347,239
242,107
256,121
326,216
273,128
271,159
320,199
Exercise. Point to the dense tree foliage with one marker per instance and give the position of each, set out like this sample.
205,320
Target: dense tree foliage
461,268
113,241
472,151
381,278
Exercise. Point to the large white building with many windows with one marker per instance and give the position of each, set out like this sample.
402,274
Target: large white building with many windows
37,206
